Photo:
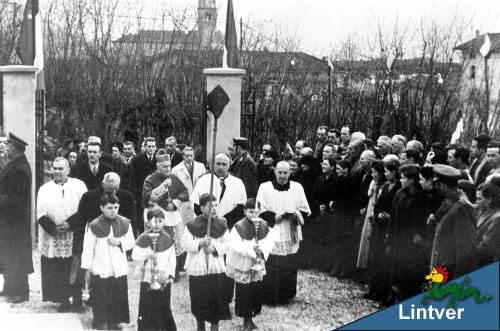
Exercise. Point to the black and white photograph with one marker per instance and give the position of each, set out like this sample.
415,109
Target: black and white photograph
242,165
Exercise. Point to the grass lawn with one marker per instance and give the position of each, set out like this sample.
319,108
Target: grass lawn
322,303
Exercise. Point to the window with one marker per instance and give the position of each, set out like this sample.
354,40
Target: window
472,72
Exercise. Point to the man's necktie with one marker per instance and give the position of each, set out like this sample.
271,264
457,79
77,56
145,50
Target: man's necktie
94,171
190,171
223,187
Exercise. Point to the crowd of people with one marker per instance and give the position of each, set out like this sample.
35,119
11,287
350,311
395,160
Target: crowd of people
378,212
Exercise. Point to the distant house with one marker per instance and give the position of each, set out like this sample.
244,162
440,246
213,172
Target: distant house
480,80
153,42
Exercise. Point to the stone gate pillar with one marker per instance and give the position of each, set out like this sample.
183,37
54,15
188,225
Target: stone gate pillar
19,116
228,125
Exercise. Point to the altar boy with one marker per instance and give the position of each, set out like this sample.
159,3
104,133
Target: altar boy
245,262
104,258
154,303
205,265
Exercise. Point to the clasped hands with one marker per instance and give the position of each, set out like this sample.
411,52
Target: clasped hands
206,244
63,227
284,216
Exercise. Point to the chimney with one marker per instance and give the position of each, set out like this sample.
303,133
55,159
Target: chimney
477,33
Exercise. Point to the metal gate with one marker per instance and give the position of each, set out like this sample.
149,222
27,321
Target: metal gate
40,124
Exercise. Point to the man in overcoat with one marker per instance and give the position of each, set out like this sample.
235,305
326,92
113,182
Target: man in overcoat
15,223
244,167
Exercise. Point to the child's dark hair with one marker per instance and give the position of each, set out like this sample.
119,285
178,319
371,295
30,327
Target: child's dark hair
250,204
109,198
154,212
205,198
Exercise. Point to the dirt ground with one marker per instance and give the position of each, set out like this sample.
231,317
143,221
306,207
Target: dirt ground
322,303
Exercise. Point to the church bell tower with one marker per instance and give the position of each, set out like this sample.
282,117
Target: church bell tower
207,20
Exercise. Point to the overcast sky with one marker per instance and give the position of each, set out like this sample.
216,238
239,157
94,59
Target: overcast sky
320,25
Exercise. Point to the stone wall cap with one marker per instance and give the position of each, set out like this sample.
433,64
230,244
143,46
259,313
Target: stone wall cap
224,71
18,68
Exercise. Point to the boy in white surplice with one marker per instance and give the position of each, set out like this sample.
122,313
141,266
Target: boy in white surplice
158,268
104,258
248,250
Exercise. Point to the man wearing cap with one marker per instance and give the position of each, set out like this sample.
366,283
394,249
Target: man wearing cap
455,237
3,152
244,167
15,222
57,201
92,171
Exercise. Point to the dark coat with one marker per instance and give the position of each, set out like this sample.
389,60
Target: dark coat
455,240
479,170
141,168
124,170
488,231
266,174
176,158
245,169
410,259
82,172
105,157
324,189
88,210
15,217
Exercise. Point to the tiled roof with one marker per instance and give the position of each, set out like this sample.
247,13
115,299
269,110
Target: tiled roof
476,43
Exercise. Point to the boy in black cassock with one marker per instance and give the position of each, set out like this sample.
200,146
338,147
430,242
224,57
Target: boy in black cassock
245,263
154,304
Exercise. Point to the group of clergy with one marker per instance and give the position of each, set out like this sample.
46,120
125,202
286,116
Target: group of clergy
68,203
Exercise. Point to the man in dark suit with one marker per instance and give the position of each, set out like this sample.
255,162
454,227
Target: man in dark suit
105,156
141,167
122,165
15,223
92,171
244,167
479,167
171,147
